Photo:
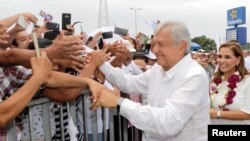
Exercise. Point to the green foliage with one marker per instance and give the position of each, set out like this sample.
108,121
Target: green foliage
146,39
205,42
247,46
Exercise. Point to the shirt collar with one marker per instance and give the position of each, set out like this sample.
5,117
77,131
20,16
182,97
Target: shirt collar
179,66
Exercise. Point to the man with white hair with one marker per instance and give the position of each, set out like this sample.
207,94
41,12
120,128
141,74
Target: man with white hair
177,88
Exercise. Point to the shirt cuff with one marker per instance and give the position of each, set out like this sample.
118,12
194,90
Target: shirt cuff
105,68
120,101
127,108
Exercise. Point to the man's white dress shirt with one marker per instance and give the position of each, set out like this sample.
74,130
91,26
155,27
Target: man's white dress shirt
178,100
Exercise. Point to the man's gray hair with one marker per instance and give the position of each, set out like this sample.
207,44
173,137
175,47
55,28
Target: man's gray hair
178,30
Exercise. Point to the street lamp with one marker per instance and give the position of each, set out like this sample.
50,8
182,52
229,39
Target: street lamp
135,9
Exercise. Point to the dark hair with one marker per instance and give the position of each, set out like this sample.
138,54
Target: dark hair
134,41
14,42
51,35
42,42
238,52
89,40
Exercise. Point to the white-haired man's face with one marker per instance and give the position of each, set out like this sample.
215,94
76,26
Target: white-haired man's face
166,50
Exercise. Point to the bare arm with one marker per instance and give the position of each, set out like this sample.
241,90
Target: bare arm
14,105
11,107
16,57
8,21
69,94
230,115
60,49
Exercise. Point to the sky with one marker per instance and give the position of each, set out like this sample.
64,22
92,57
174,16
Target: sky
202,17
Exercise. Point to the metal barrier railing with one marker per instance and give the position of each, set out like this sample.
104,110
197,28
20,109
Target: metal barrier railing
44,102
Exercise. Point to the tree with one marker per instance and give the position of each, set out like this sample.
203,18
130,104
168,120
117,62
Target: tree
247,46
205,42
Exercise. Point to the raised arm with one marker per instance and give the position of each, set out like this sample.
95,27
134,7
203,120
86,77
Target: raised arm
9,21
12,106
69,94
63,48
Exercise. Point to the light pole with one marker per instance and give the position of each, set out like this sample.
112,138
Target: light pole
135,9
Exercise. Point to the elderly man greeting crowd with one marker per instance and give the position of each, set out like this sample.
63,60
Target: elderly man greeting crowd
177,89
157,84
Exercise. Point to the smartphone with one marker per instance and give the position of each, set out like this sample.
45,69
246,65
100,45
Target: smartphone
100,42
52,26
66,20
46,16
21,21
42,13
107,35
121,31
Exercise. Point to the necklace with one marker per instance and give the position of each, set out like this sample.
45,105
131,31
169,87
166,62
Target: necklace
229,95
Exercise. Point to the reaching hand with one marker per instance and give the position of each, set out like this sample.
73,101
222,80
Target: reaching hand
98,57
95,88
106,98
41,66
29,17
66,48
75,63
99,76
3,35
94,42
39,30
117,61
141,63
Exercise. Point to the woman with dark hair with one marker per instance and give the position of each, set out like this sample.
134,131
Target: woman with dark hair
229,88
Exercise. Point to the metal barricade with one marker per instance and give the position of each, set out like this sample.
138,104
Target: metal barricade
44,102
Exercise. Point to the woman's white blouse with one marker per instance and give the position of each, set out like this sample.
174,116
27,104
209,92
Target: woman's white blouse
241,101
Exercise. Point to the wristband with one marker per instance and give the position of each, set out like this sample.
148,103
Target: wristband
218,115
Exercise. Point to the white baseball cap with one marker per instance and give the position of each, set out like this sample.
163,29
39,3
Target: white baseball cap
150,55
129,45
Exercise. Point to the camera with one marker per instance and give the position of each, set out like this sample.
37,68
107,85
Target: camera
120,31
107,35
46,16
